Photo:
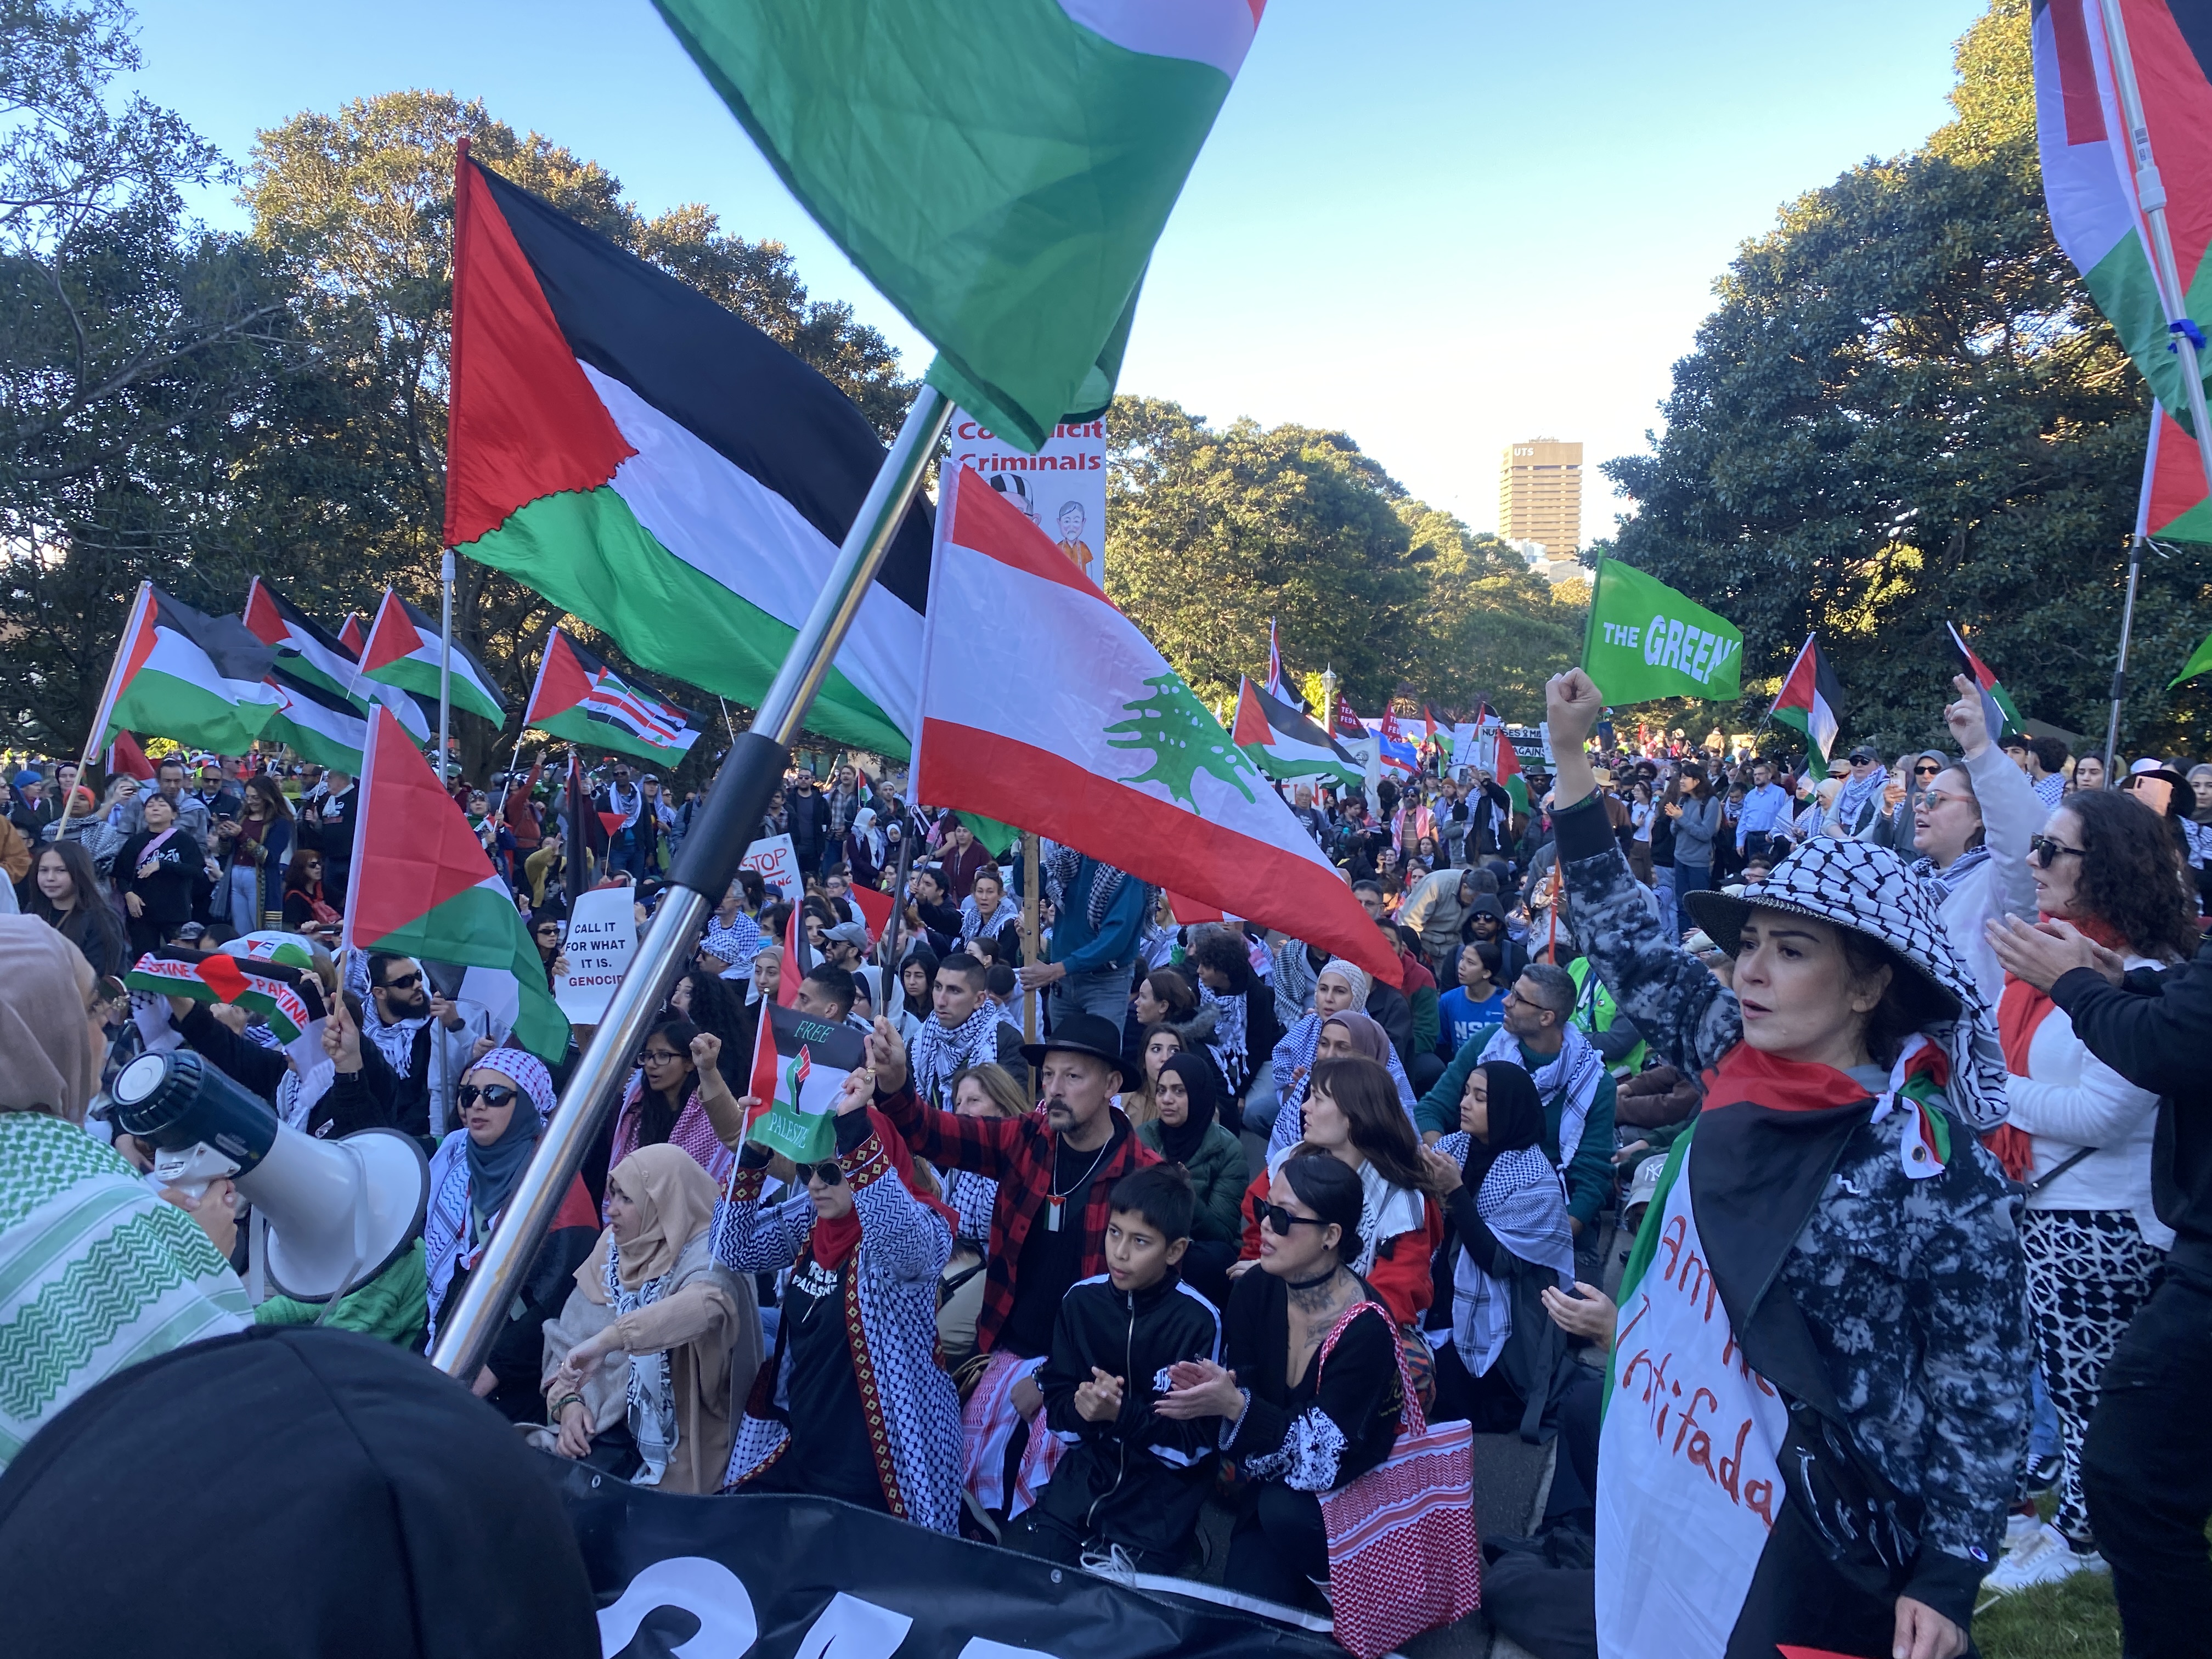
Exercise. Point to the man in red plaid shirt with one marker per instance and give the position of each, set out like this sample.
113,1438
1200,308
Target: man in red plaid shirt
1054,1167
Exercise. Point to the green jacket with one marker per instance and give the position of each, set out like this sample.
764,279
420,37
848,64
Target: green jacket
1217,1176
1589,1178
394,1307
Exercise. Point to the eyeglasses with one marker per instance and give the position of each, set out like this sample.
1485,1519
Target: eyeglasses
2046,849
494,1094
408,982
658,1056
1281,1220
828,1174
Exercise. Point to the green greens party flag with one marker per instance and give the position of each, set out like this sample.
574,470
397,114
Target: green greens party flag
2199,660
1647,641
999,169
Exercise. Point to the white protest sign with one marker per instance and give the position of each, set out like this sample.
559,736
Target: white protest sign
777,861
1061,488
602,939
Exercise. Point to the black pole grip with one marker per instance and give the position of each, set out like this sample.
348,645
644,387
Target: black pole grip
728,821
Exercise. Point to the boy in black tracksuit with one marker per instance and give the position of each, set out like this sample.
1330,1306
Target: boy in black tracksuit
1131,1480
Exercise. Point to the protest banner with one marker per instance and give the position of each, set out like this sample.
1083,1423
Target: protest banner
1061,488
602,939
777,861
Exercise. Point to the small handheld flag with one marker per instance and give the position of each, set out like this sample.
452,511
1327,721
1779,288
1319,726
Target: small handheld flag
799,1066
1812,700
1998,710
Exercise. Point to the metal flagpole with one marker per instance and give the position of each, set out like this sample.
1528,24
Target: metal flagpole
749,774
2127,627
444,663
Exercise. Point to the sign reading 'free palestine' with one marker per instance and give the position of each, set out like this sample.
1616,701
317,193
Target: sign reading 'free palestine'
1647,641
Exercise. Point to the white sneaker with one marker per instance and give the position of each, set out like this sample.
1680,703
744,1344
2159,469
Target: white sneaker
2044,1559
2021,1528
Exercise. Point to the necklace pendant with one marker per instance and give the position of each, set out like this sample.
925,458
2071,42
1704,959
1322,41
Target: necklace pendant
1052,1208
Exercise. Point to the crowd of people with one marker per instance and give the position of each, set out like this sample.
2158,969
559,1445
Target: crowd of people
1894,1060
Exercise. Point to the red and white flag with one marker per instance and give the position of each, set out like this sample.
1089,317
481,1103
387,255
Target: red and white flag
1048,708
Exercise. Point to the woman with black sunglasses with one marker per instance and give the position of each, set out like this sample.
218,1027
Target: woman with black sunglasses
2081,1135
503,1102
1311,1395
853,1404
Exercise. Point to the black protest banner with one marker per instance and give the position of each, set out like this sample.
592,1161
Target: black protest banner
776,1577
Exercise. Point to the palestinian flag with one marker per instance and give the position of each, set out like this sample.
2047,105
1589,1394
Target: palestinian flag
1275,664
309,654
1283,743
2089,173
216,976
182,674
402,650
799,1066
1812,700
579,697
321,725
1507,773
661,469
125,759
1122,762
350,635
1997,707
999,176
422,885
2174,506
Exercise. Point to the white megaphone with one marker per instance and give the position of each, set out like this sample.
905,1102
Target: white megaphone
339,1212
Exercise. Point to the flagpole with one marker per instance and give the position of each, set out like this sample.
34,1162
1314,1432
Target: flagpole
108,693
2127,627
749,774
444,663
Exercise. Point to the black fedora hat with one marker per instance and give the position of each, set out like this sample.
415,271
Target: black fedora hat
1080,1034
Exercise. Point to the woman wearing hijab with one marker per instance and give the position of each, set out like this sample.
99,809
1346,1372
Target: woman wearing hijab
1312,1393
657,1339
1831,1256
1340,988
854,1404
1187,1131
1505,1208
503,1102
2081,1135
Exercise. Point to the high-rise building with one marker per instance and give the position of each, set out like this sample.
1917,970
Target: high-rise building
1539,495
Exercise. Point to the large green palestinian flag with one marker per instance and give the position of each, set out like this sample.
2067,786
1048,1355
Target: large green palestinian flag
181,674
579,697
422,887
2089,174
1283,743
663,469
1000,168
319,726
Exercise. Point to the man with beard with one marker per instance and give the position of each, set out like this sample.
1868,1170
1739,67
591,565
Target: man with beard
426,1041
964,1030
1054,1169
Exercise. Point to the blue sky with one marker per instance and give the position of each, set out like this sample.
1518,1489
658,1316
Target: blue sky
1439,225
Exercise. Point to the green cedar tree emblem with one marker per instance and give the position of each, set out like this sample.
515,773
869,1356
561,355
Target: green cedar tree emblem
1184,740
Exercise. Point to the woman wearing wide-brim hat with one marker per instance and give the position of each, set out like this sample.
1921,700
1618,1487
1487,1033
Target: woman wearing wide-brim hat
1818,1395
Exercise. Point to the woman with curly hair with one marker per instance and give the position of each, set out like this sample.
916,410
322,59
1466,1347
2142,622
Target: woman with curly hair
2079,1135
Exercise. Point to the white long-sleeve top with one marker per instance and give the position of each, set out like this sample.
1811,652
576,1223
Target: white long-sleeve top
2070,1099
2002,886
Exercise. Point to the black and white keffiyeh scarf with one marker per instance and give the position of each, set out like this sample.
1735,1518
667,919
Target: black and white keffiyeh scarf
939,1055
1951,875
1523,1201
1571,1077
1061,866
652,1400
1227,1043
396,1042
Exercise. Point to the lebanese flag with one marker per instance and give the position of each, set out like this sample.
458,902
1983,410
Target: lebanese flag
1049,709
125,759
1812,700
422,885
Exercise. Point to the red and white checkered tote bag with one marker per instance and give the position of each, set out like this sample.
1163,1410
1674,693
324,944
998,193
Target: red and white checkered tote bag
1402,1553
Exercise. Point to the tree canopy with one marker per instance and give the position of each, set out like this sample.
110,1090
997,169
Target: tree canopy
1905,411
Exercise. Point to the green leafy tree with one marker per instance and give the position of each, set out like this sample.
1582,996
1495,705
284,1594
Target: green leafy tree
1487,627
1905,411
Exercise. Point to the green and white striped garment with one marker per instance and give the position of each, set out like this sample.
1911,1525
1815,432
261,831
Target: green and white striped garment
96,1273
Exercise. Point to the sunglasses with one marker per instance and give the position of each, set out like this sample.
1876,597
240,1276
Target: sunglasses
2047,849
408,982
1927,771
494,1094
829,1174
553,927
1275,1216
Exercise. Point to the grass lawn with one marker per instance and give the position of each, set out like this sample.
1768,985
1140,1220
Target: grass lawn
2074,1620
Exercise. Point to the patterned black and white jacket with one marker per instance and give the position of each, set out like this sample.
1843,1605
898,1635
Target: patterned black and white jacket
1913,1290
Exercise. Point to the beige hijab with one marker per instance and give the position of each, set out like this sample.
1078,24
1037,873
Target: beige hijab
675,1201
47,1063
